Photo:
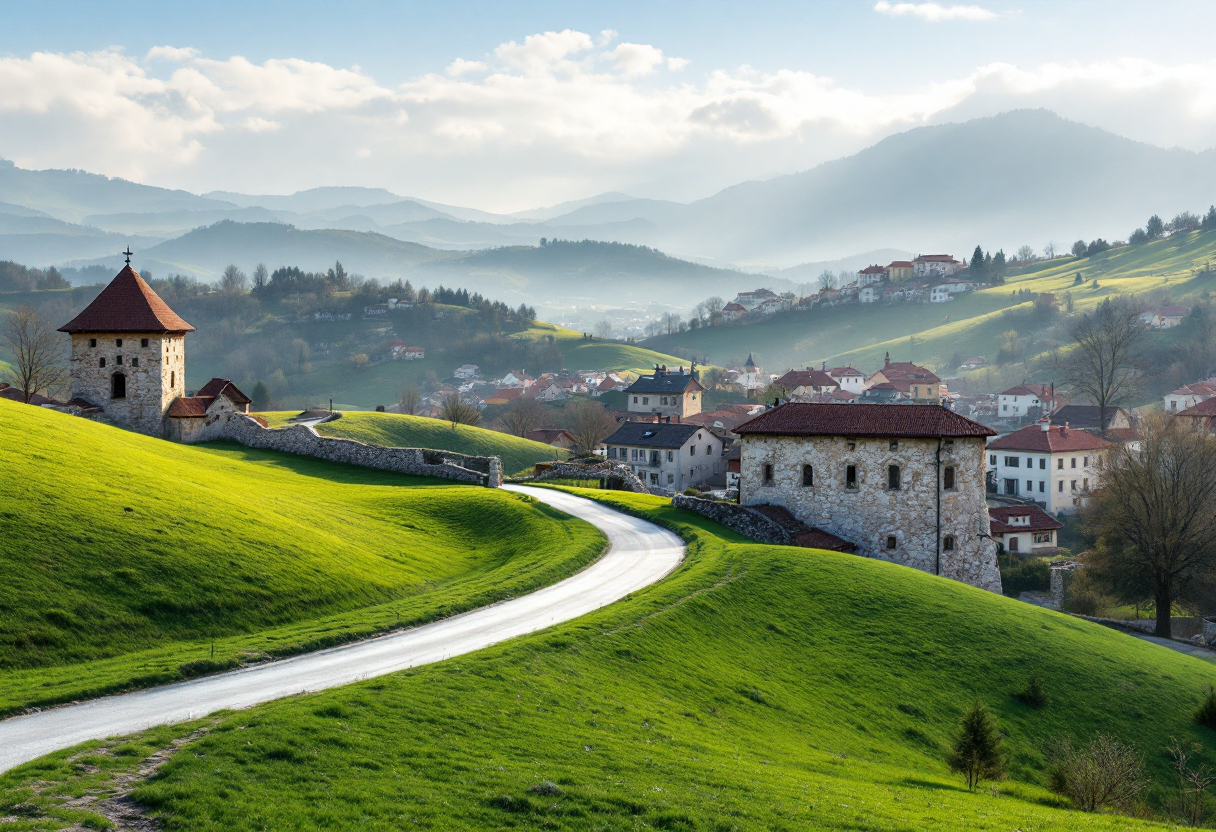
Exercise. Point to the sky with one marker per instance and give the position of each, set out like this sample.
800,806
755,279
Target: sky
509,106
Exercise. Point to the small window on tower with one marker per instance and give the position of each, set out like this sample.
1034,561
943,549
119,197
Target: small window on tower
808,476
893,477
134,362
102,363
768,473
948,543
92,342
948,478
118,360
143,342
172,380
118,342
894,445
891,541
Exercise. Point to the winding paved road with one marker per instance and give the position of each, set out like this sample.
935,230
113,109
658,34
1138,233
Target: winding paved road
640,554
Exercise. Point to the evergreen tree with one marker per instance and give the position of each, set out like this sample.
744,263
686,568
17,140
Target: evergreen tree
260,396
975,751
997,273
977,262
1209,219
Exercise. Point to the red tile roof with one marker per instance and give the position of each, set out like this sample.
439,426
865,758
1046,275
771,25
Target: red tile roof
128,304
1040,391
1054,441
217,386
1174,311
845,371
900,264
1205,408
190,407
872,270
1040,521
928,421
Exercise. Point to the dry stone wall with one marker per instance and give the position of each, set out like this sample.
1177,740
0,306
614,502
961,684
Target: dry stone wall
622,475
746,521
303,440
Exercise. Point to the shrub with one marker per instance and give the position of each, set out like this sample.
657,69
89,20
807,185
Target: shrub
1028,576
1086,602
975,751
547,788
692,491
1107,773
1206,715
1034,694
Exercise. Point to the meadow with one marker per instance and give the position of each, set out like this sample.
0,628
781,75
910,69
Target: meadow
132,561
401,431
758,687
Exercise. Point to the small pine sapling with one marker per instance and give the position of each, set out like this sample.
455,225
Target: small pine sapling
975,751
1206,715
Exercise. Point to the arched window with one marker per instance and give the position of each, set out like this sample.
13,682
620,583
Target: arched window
948,543
102,363
808,476
893,477
118,386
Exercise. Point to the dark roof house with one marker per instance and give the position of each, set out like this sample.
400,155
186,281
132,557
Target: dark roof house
664,382
919,421
1087,416
652,434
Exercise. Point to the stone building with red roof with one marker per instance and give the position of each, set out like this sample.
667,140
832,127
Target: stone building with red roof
128,364
904,484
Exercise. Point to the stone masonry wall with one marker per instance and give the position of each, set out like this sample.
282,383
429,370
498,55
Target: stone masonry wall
746,521
558,470
869,514
304,441
155,375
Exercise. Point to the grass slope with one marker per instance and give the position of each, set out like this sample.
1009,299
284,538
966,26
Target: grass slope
127,559
400,431
611,356
969,325
759,687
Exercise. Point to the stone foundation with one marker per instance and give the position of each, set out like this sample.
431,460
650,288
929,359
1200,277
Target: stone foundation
303,440
746,521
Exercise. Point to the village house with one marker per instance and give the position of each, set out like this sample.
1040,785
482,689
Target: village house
870,294
666,393
854,381
516,379
467,371
751,300
413,353
800,384
913,382
128,366
609,383
904,484
974,363
1017,402
1026,529
900,270
1056,466
1190,395
733,312
557,437
934,265
939,294
1201,415
666,455
1088,416
871,275
1166,317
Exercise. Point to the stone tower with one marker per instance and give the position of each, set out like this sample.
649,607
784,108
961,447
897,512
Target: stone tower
129,354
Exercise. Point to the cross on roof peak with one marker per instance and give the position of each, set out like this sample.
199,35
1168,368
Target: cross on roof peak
128,253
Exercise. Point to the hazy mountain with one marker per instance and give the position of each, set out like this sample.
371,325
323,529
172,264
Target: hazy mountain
314,199
810,272
566,207
172,223
1022,177
71,195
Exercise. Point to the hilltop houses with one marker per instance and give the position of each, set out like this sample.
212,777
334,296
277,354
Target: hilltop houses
912,381
665,393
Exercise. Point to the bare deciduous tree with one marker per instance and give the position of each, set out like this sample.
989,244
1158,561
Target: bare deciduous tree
522,417
261,276
1102,364
233,281
827,281
1106,773
37,352
713,309
410,400
589,424
1154,517
457,411
1193,783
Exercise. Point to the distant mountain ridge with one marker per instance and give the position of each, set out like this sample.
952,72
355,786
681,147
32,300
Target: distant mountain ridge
1022,177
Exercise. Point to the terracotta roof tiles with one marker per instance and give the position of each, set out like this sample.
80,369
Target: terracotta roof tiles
128,304
1054,441
925,421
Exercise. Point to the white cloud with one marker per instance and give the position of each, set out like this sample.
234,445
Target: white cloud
460,66
171,53
934,12
637,58
554,117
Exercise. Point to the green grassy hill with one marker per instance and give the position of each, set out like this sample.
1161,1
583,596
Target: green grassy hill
759,687
971,324
610,356
396,430
129,560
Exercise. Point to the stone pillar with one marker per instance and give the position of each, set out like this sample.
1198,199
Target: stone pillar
1061,578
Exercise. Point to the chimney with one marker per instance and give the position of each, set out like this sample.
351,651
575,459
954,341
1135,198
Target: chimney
887,360
656,418
1045,424
667,420
824,368
1064,430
